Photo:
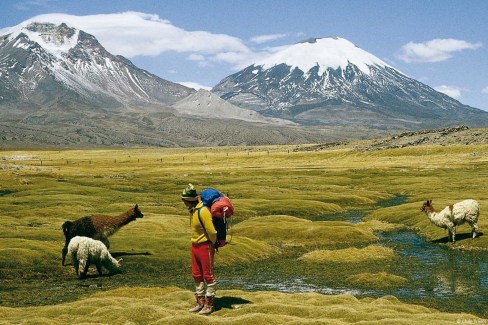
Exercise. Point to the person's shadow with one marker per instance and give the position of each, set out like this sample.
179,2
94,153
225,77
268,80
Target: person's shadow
228,302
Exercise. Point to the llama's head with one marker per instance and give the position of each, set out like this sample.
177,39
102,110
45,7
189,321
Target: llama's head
135,212
67,225
119,262
427,206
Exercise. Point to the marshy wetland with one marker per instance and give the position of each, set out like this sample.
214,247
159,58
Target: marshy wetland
332,236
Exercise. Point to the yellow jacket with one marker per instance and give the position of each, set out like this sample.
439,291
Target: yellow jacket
198,234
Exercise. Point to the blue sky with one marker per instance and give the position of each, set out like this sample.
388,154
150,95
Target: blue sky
442,43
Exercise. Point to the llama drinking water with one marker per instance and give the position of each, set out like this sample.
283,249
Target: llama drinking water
86,251
453,215
98,227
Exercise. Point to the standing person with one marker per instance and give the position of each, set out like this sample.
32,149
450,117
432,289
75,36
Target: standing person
203,238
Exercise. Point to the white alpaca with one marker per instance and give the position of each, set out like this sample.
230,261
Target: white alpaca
85,251
454,215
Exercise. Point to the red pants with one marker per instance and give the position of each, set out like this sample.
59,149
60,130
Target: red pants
202,260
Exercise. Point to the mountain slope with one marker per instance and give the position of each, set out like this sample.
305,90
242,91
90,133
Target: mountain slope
43,65
332,81
205,104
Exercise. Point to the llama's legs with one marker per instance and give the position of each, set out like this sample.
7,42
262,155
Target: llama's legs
63,253
474,229
99,267
76,265
84,267
451,232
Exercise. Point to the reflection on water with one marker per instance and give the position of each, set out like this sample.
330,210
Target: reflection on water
437,272
443,278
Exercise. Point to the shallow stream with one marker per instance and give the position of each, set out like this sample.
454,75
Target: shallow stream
439,277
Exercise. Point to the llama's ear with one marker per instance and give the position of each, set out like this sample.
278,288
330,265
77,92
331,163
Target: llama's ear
137,206
430,201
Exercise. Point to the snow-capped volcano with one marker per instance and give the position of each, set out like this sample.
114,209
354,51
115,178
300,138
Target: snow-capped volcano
331,52
49,65
332,81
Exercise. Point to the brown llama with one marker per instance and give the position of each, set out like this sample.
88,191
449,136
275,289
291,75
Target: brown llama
98,227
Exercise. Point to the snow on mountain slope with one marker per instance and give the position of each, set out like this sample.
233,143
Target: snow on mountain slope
331,52
38,60
333,81
54,40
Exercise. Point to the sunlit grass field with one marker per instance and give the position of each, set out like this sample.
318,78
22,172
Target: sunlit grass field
282,200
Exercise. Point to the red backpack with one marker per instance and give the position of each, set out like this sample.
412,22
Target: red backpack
222,211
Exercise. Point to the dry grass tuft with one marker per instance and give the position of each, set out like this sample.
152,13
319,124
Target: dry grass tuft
377,280
133,305
292,231
350,255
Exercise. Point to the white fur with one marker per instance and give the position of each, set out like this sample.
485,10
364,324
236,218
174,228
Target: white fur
454,215
85,251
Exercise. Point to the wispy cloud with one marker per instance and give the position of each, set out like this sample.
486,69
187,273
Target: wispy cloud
485,90
133,33
267,38
261,39
436,50
451,91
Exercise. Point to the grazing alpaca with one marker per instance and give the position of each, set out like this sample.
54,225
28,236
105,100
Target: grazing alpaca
453,215
98,227
85,251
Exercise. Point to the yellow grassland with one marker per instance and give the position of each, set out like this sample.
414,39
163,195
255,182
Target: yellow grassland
276,192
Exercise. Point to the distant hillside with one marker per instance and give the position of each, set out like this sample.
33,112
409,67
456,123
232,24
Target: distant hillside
461,135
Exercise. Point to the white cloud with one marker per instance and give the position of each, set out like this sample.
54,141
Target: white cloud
260,39
196,57
194,85
485,90
134,33
436,50
451,91
267,38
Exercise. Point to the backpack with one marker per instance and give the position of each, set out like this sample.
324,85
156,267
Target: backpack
221,209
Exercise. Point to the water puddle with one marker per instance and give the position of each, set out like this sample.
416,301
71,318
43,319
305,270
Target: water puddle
5,192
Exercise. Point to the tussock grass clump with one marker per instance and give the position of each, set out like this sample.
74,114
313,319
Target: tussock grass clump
376,280
350,255
242,250
296,207
169,305
292,231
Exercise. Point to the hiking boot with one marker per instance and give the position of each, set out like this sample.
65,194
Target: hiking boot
198,304
209,306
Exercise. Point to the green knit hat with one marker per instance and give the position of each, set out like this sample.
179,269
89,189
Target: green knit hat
189,193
